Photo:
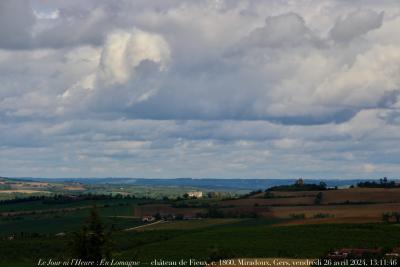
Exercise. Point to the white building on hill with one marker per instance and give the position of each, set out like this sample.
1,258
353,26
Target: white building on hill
196,194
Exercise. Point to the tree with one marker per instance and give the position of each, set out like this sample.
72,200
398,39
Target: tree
91,243
386,217
299,182
323,185
216,253
396,215
157,216
318,198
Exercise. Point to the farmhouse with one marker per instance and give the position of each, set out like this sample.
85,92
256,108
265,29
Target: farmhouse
345,253
148,219
196,194
61,234
395,253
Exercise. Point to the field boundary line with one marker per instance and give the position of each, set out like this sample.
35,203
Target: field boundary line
145,225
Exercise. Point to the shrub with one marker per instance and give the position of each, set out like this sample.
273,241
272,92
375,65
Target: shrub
318,198
297,216
323,215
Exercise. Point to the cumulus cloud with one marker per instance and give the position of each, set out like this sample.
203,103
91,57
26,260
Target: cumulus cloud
371,81
119,63
124,51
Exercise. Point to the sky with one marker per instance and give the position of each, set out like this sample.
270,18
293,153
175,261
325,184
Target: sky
205,88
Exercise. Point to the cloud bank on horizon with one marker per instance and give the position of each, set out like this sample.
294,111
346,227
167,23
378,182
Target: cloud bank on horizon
206,88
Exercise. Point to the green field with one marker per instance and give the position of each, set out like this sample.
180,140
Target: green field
59,220
245,238
260,239
189,224
41,205
153,192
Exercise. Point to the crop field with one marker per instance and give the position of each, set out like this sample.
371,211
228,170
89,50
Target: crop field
252,238
36,217
23,191
52,224
285,194
351,195
39,205
260,239
269,201
360,195
12,188
152,209
368,213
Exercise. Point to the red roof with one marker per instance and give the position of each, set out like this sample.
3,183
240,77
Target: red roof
343,253
359,251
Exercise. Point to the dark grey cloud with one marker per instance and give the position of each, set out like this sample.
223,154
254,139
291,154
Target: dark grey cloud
279,31
16,21
355,24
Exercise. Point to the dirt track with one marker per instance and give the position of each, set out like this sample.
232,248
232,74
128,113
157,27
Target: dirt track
143,226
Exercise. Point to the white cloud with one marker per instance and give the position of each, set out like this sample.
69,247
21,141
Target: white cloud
118,60
364,83
368,168
124,51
